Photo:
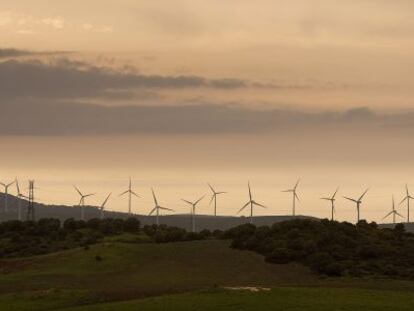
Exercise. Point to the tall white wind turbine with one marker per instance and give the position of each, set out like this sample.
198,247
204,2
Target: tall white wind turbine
332,200
193,211
157,208
6,194
214,197
20,197
130,193
294,196
250,203
358,203
407,198
82,201
393,212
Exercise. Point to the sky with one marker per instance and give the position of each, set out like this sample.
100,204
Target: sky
180,94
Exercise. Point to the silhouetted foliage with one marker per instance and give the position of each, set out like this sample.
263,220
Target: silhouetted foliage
29,238
331,248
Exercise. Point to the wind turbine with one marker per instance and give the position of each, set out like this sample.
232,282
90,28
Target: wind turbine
294,196
407,198
393,212
102,207
358,203
252,203
6,194
214,198
157,208
193,210
332,200
130,192
20,196
82,201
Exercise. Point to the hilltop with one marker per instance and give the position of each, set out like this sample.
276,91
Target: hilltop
63,212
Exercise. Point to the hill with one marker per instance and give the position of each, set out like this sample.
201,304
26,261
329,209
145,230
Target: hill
63,212
134,271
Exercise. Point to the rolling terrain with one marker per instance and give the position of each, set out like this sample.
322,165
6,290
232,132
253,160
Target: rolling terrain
180,276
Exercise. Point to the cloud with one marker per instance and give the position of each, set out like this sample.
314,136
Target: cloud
48,118
63,78
55,22
15,53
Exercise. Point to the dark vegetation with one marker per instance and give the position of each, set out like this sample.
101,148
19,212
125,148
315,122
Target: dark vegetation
332,248
28,238
328,248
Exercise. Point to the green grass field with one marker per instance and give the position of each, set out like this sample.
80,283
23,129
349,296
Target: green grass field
177,276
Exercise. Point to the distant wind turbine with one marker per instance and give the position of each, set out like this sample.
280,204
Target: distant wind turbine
393,212
157,208
193,211
102,207
6,194
82,201
407,198
294,196
20,197
214,197
251,202
358,203
130,193
332,200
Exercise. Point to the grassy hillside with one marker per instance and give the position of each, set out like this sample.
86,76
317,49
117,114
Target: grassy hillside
286,299
134,271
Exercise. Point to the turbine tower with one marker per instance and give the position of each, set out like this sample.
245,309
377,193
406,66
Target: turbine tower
157,208
214,198
393,212
294,197
6,194
102,207
358,203
82,201
130,193
251,202
193,210
332,200
20,197
407,198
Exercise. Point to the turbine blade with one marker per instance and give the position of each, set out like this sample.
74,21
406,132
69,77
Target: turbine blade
80,193
10,184
258,204
187,201
403,200
166,209
291,190
154,209
244,206
350,199
365,192
212,198
196,202
106,200
153,195
297,184
389,214
123,193
297,197
89,195
327,199
250,191
333,197
211,187
399,214
133,192
17,186
221,192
